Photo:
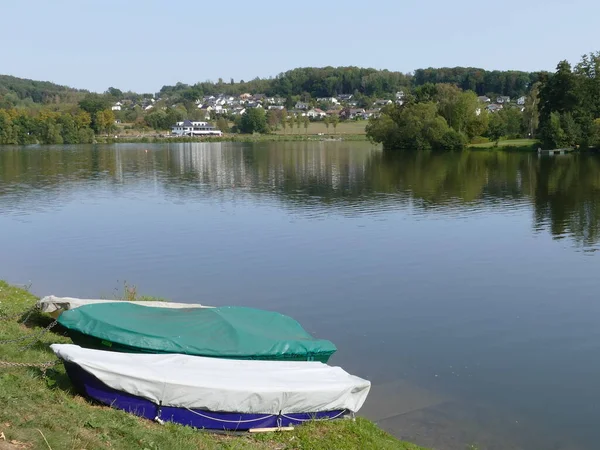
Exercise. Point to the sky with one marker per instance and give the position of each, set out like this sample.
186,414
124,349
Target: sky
144,45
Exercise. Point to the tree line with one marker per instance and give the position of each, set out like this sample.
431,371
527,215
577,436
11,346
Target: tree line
569,105
561,109
75,126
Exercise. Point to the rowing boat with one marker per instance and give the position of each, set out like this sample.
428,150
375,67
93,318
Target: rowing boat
220,332
214,393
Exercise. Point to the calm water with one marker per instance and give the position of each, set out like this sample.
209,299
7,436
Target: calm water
464,286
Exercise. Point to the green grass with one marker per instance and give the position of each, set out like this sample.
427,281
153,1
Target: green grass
508,144
343,128
33,407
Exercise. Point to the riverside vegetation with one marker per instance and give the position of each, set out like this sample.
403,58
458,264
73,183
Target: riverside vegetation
41,410
41,112
439,109
561,110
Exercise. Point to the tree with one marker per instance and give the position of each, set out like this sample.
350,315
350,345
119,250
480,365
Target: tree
104,120
115,93
414,126
299,121
82,119
254,120
283,120
6,129
223,124
306,123
92,103
273,118
291,121
326,121
497,127
531,115
513,119
334,119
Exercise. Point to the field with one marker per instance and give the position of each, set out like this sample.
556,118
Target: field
42,411
508,144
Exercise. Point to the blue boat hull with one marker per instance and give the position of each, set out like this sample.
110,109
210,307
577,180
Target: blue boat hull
92,387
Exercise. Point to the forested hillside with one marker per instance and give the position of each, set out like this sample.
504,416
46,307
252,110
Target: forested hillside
16,92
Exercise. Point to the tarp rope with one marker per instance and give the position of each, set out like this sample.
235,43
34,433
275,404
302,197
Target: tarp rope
229,421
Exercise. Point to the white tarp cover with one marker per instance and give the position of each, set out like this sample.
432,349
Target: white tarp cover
225,385
52,304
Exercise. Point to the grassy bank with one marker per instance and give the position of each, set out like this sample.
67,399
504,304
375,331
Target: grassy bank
520,145
37,409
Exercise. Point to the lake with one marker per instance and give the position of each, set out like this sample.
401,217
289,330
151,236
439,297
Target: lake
464,286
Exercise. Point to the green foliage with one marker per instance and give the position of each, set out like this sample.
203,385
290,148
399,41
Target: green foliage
414,126
496,127
223,124
570,104
93,103
103,121
482,82
48,127
254,120
17,92
164,119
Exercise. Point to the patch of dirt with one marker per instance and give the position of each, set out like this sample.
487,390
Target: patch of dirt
14,445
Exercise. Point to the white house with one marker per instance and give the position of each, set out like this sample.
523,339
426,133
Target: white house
189,128
117,106
521,100
503,99
382,102
316,113
301,105
328,100
279,107
484,99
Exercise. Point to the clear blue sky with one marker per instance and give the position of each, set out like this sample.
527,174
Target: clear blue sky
143,45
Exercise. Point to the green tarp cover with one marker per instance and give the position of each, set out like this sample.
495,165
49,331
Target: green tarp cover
225,332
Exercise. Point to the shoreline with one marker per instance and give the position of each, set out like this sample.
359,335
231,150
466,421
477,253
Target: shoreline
155,139
33,401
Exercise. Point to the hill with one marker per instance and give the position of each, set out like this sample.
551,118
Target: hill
16,91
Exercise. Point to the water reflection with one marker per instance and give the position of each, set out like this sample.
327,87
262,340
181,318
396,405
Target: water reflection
328,178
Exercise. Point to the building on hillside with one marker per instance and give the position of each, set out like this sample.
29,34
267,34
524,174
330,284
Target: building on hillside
345,97
493,107
279,107
484,99
316,113
352,113
371,113
301,105
503,99
189,128
521,100
238,111
117,106
245,96
332,100
382,102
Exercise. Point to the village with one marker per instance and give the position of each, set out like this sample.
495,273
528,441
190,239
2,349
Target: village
345,106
